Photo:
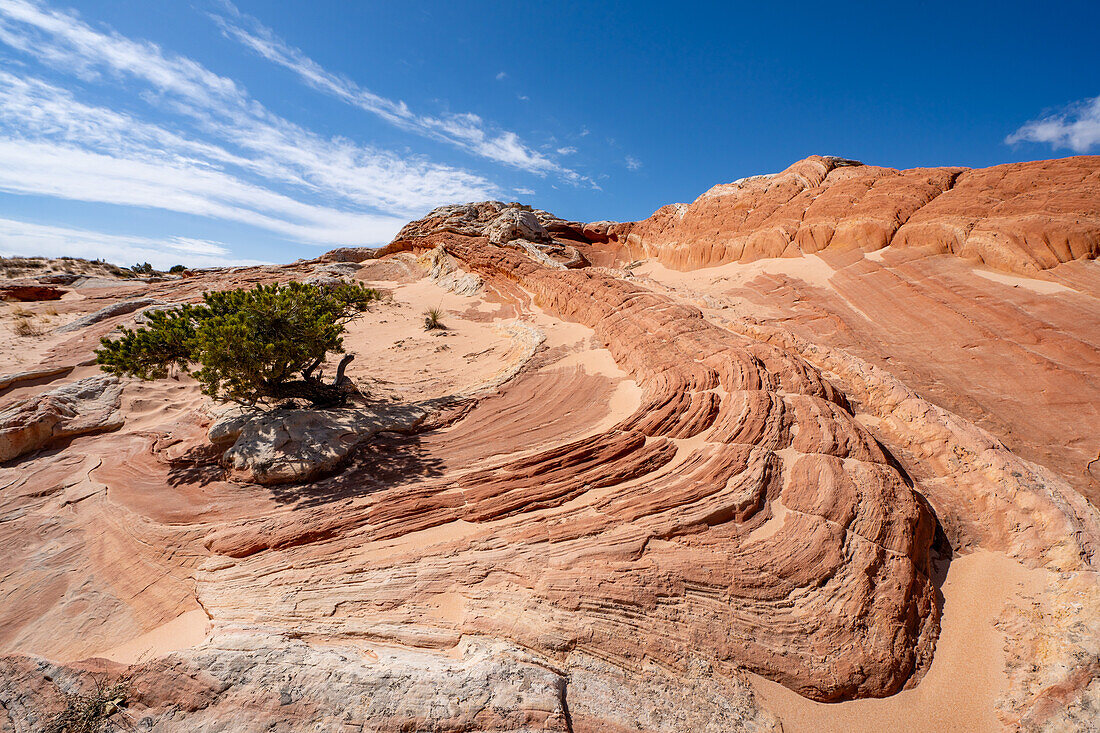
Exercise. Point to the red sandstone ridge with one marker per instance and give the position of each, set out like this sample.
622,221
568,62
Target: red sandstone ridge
1020,217
839,489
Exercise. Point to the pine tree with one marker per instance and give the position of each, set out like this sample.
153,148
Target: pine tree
253,346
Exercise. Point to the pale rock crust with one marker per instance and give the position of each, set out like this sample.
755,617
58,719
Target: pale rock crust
444,270
293,684
7,380
513,224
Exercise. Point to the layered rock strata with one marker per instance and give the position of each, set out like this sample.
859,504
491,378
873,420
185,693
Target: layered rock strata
1020,217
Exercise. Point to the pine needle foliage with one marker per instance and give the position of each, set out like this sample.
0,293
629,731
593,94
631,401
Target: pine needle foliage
257,346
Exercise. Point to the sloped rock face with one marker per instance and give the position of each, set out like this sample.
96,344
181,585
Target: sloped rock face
87,406
1021,217
109,311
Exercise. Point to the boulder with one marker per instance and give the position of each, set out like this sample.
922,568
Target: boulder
87,406
289,445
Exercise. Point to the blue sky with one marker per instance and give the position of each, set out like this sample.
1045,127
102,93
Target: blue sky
210,133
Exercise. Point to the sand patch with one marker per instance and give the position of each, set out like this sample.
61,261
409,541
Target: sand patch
812,269
1043,287
186,630
961,687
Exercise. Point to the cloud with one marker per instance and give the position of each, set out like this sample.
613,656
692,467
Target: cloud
466,131
567,150
62,171
53,144
1076,127
633,163
20,238
525,191
64,41
501,76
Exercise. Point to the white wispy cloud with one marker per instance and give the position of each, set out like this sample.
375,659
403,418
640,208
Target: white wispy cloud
465,131
501,76
51,143
60,38
1077,127
63,171
567,150
633,163
25,239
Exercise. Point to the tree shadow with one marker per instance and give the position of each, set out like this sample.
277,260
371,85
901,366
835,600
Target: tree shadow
199,465
388,461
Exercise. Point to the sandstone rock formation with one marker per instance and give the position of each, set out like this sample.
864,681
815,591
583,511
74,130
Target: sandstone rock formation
26,293
1021,217
109,311
513,224
811,453
87,406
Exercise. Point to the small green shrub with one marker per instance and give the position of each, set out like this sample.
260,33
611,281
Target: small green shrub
254,346
433,319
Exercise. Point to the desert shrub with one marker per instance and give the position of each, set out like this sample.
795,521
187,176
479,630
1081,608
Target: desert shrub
258,346
433,318
94,712
176,269
142,269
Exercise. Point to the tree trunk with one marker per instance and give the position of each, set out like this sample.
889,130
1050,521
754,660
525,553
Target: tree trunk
340,369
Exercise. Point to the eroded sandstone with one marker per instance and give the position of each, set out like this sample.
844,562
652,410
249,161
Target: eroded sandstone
697,502
87,406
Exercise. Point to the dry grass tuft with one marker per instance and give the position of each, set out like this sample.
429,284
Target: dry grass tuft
27,326
97,712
